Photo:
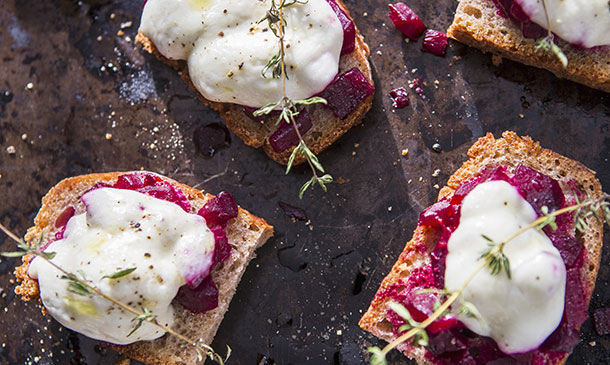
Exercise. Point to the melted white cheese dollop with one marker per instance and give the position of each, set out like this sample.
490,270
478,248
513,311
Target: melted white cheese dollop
518,313
123,229
582,22
227,49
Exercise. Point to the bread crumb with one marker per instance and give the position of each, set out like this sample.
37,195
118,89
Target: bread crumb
496,60
365,14
108,136
405,151
340,180
389,209
436,172
29,86
24,137
99,38
521,116
421,179
11,150
120,33
339,332
436,186
126,24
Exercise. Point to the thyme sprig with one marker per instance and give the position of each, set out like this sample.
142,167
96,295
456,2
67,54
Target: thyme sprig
547,43
83,287
583,209
288,107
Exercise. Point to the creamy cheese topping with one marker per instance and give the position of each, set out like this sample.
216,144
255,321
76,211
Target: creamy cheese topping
521,312
123,229
582,22
227,49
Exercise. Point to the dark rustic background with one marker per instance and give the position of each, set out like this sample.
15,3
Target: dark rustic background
78,96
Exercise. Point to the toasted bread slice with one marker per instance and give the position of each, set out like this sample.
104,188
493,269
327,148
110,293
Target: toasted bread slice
478,24
510,151
245,233
326,128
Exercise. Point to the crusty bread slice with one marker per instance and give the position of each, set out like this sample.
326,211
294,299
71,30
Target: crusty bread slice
510,151
245,233
477,24
326,128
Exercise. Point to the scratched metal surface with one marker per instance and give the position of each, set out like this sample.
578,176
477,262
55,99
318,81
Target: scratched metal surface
97,103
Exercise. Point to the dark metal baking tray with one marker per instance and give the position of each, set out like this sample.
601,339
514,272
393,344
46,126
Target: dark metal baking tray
77,97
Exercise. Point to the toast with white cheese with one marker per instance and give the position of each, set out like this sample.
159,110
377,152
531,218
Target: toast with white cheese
478,24
326,128
245,233
510,151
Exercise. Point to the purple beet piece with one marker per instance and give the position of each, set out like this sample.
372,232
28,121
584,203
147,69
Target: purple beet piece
64,217
563,339
349,30
210,138
346,92
575,311
134,181
400,97
445,342
285,136
406,21
435,42
538,189
441,214
219,209
417,85
293,212
569,249
200,299
222,249
601,320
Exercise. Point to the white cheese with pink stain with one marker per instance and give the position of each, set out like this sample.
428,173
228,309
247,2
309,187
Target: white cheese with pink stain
123,229
521,312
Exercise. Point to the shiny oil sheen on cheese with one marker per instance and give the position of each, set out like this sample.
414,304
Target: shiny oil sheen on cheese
521,312
123,229
584,23
227,49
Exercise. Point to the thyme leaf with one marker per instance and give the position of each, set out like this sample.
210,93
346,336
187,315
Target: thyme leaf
146,315
495,259
120,273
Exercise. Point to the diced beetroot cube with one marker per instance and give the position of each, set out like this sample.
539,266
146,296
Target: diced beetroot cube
64,217
538,189
285,136
575,311
443,324
219,209
135,181
406,21
435,42
601,320
400,97
349,30
201,299
222,248
563,339
447,341
569,249
346,92
440,214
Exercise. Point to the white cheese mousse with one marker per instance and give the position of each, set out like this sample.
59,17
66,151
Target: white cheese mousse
584,23
227,48
123,229
521,312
